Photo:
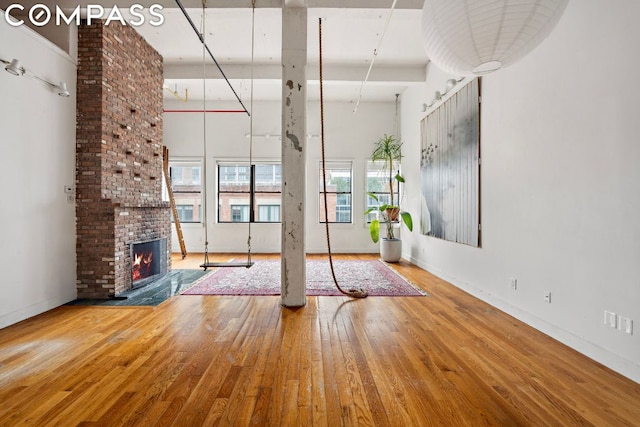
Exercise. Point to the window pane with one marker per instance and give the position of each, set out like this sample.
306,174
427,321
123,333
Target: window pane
176,175
383,199
269,213
239,213
234,177
377,178
189,201
235,196
337,212
233,207
338,180
268,177
185,213
378,184
195,175
268,207
187,189
338,187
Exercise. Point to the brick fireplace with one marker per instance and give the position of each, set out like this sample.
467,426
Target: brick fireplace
118,157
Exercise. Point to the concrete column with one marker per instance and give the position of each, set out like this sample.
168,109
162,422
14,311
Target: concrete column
294,130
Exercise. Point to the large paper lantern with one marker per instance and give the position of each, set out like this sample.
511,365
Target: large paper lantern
475,37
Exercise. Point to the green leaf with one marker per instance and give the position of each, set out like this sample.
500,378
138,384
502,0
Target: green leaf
374,230
408,221
373,196
368,211
399,178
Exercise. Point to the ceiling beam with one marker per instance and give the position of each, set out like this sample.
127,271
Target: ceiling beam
407,74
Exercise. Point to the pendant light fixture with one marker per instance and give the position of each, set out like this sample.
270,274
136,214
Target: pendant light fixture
476,37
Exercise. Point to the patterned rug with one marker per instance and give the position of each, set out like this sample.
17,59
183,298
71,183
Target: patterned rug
263,278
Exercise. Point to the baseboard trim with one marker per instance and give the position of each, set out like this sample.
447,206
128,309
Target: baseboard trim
626,367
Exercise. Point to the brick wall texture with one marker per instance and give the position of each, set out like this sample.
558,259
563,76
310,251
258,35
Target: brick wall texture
118,156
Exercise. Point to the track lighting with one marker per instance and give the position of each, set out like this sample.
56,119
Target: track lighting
437,96
274,136
16,69
62,90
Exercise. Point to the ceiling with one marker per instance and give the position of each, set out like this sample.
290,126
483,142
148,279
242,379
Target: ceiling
349,37
352,30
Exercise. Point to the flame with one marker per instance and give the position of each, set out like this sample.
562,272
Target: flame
141,265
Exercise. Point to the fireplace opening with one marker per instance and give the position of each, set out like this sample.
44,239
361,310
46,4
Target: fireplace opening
148,261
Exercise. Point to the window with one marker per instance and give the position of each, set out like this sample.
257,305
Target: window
268,213
185,213
338,186
378,184
186,183
239,213
249,193
195,175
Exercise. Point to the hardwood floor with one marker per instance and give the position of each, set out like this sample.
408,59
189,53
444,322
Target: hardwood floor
446,359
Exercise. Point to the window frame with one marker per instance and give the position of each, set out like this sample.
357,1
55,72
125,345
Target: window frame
252,192
189,163
337,165
378,171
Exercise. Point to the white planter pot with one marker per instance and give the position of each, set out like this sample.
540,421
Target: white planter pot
390,250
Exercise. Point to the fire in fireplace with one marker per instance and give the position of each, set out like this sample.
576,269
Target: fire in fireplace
147,261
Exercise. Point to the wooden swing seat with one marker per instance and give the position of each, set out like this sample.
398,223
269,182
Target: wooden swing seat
246,264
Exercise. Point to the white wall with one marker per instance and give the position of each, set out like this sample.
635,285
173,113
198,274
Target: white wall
37,158
348,136
560,185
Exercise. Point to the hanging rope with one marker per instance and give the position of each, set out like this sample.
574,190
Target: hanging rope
354,293
206,264
204,135
253,30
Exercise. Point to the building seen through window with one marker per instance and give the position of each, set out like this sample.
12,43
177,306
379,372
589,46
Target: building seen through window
338,187
249,193
186,183
378,184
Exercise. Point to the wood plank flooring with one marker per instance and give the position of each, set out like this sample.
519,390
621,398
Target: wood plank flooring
447,359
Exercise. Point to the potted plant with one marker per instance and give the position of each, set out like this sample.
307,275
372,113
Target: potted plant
388,150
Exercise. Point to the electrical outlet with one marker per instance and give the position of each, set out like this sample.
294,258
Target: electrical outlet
547,296
514,283
625,325
68,189
610,319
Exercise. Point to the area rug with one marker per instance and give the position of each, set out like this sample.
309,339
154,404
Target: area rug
263,278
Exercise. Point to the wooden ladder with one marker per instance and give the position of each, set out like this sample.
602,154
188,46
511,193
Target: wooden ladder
176,219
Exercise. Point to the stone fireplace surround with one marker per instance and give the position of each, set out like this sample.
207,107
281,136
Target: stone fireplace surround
118,156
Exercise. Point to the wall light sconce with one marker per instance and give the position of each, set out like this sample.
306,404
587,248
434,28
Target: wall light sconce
16,69
437,96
